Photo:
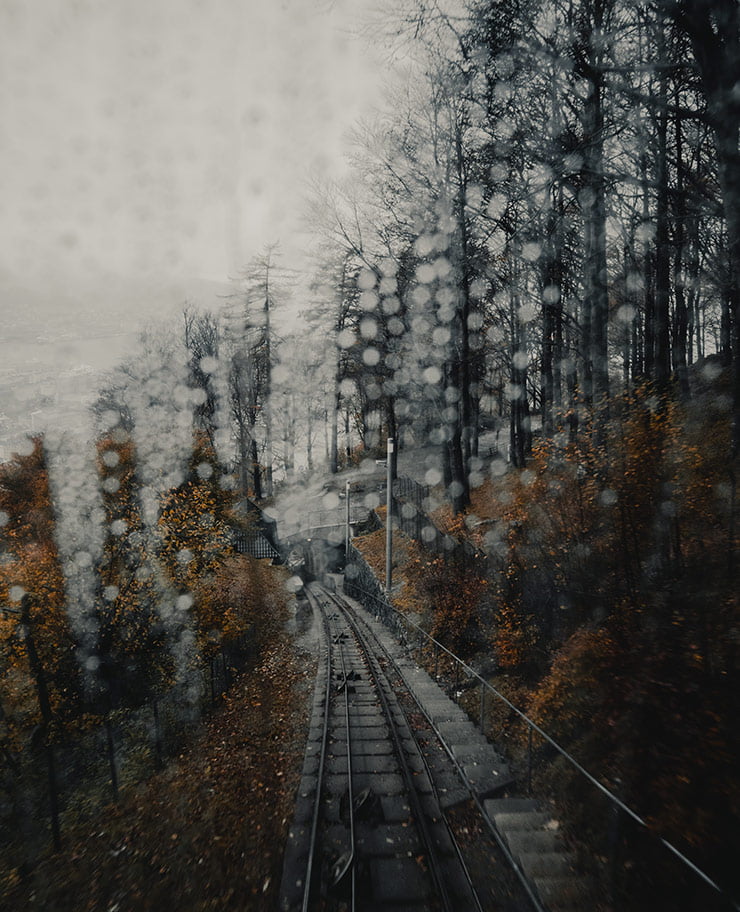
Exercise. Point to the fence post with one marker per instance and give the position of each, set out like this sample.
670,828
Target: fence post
111,757
529,762
436,661
482,713
157,734
53,792
225,668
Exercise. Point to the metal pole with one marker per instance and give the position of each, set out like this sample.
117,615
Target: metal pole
388,518
347,529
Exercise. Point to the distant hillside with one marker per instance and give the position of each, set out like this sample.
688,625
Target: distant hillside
55,347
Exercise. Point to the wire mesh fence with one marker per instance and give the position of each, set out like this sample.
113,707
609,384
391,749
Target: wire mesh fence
55,781
639,868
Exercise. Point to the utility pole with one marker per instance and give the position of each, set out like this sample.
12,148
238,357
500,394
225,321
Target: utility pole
347,533
388,519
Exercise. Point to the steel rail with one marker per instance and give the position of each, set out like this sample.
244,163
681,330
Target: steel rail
350,791
313,601
533,726
490,826
431,851
389,658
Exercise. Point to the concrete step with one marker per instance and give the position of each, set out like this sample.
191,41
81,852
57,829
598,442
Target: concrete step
509,806
477,753
563,893
532,835
534,839
526,842
438,716
523,820
461,733
488,782
547,864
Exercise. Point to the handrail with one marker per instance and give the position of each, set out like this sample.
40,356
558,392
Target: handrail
561,750
323,519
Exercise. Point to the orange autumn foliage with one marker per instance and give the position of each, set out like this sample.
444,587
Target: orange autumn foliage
194,520
615,602
233,594
243,595
30,565
445,589
135,660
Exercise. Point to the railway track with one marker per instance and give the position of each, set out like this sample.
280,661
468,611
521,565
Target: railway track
375,827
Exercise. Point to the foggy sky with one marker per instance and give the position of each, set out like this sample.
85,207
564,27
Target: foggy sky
156,140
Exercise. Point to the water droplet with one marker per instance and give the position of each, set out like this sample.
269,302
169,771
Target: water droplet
498,468
531,251
527,312
426,273
366,279
204,470
111,458
330,500
111,485
441,335
346,338
294,584
184,602
368,328
368,301
421,295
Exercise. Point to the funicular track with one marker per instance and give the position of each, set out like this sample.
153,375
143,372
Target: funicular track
372,827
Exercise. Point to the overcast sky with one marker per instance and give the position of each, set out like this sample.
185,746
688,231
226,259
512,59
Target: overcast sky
160,140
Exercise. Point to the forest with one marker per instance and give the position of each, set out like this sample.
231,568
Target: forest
538,243
540,238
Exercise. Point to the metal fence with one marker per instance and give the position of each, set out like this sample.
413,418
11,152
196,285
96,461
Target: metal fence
52,783
414,501
459,679
314,521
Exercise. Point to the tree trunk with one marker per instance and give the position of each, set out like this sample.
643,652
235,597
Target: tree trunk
267,391
244,459
662,253
552,317
714,31
648,359
681,325
519,428
596,375
256,471
42,694
462,435
334,433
